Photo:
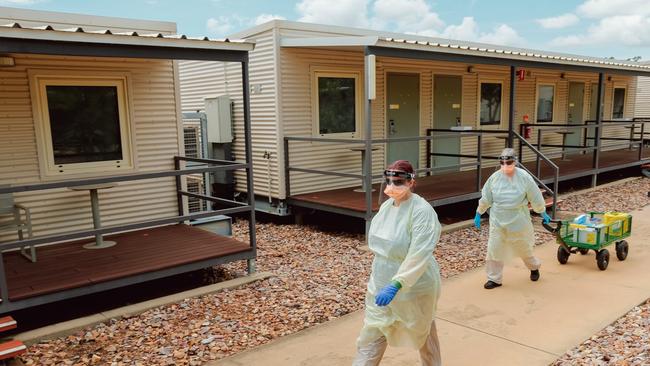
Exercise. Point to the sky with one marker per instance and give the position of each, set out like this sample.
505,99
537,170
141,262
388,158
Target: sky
602,28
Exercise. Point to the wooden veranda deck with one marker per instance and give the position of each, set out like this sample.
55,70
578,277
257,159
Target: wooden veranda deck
69,266
440,188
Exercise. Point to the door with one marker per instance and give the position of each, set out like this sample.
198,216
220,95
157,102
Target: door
447,93
403,114
575,115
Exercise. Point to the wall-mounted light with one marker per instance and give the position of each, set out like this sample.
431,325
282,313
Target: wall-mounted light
562,75
470,69
609,78
7,61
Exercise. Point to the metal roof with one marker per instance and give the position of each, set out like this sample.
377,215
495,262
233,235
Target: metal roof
539,55
336,36
108,37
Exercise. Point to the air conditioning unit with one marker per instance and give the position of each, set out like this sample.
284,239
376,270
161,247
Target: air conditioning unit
195,185
192,140
218,112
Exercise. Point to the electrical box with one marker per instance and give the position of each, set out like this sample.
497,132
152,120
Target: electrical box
218,116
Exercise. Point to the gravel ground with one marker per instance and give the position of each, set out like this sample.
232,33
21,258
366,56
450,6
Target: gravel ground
624,197
624,343
321,276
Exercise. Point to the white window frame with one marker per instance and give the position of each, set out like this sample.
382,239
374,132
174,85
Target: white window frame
537,86
624,87
358,96
39,80
478,114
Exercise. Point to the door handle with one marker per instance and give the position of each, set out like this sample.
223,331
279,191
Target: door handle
457,121
392,130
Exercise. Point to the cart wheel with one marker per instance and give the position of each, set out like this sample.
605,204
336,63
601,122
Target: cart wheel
583,251
562,255
622,248
602,259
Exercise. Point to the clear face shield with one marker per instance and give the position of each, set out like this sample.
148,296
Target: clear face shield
507,163
393,178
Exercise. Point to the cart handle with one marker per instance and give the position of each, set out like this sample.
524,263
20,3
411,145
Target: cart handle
553,229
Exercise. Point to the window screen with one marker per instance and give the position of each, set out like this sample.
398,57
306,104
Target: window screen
336,105
490,103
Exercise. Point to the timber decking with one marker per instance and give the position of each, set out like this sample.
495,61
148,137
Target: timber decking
66,266
445,185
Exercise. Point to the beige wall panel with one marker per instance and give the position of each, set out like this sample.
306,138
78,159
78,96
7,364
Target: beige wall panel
155,140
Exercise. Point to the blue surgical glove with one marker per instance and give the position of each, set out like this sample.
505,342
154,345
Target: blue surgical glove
386,294
477,220
546,218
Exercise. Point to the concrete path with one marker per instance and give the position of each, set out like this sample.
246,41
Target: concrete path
520,323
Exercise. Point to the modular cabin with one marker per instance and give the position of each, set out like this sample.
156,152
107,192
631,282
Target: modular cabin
93,191
332,106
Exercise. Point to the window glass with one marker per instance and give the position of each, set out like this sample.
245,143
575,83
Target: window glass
490,103
85,123
336,105
545,94
619,103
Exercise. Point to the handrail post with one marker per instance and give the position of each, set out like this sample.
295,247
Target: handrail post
4,288
556,187
287,170
597,131
511,107
641,141
479,160
369,69
428,155
538,168
179,196
249,168
521,148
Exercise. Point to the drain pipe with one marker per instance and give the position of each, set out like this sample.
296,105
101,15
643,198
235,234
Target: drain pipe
267,156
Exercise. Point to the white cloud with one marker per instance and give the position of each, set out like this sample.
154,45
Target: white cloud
608,31
469,30
615,23
20,2
606,8
263,18
412,16
560,21
341,12
220,26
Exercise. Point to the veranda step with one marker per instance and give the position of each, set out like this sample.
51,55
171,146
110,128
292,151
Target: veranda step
11,349
7,323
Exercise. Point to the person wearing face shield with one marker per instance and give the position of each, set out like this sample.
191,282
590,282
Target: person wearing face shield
404,284
507,194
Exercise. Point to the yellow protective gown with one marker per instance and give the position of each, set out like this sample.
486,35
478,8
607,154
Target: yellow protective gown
403,239
511,228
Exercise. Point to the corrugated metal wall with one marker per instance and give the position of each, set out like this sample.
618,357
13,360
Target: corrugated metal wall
199,80
642,106
155,141
297,65
289,111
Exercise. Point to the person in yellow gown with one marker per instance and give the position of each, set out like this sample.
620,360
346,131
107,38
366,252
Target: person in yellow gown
507,194
404,284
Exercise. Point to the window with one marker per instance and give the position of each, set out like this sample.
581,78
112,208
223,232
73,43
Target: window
491,94
618,105
83,125
545,99
337,104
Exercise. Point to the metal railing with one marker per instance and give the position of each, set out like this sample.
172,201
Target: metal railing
212,165
538,179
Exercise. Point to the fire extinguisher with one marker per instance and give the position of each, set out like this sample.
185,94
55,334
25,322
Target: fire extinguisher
528,129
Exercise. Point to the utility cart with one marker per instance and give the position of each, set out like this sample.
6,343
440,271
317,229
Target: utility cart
601,230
